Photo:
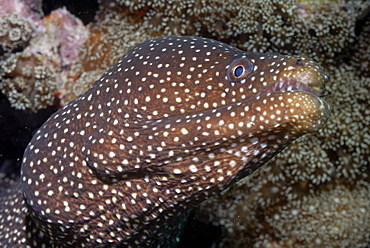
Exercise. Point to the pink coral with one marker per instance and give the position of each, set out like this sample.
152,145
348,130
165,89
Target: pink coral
27,9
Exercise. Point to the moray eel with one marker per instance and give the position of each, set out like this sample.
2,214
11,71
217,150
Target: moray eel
175,121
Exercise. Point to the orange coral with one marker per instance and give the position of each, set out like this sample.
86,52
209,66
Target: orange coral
110,37
28,81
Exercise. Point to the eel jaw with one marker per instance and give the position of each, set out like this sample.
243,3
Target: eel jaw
323,111
292,85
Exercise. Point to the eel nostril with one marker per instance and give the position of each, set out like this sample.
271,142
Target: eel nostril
298,62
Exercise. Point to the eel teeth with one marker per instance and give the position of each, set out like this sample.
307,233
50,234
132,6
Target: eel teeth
290,85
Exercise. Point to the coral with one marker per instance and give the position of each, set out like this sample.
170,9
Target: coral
59,38
31,10
65,36
331,217
15,32
335,217
28,81
109,38
31,78
334,161
361,59
19,19
319,29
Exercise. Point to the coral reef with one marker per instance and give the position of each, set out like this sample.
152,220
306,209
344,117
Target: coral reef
111,37
319,29
15,32
32,77
311,172
335,216
18,19
31,10
28,81
361,59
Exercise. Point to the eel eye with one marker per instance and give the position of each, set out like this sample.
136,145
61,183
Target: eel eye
239,69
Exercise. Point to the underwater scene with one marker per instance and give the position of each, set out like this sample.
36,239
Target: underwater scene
185,123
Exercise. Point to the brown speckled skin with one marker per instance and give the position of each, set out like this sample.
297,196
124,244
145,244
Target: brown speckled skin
166,127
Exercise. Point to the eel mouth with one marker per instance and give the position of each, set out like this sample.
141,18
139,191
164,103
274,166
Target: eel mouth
292,85
317,91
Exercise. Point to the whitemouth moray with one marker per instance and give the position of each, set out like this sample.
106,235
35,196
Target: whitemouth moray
176,120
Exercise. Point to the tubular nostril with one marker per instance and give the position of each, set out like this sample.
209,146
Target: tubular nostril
327,77
298,62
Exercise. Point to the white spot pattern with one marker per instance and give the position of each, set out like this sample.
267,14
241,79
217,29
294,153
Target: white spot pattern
121,164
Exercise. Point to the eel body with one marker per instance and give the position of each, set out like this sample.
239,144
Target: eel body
175,121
